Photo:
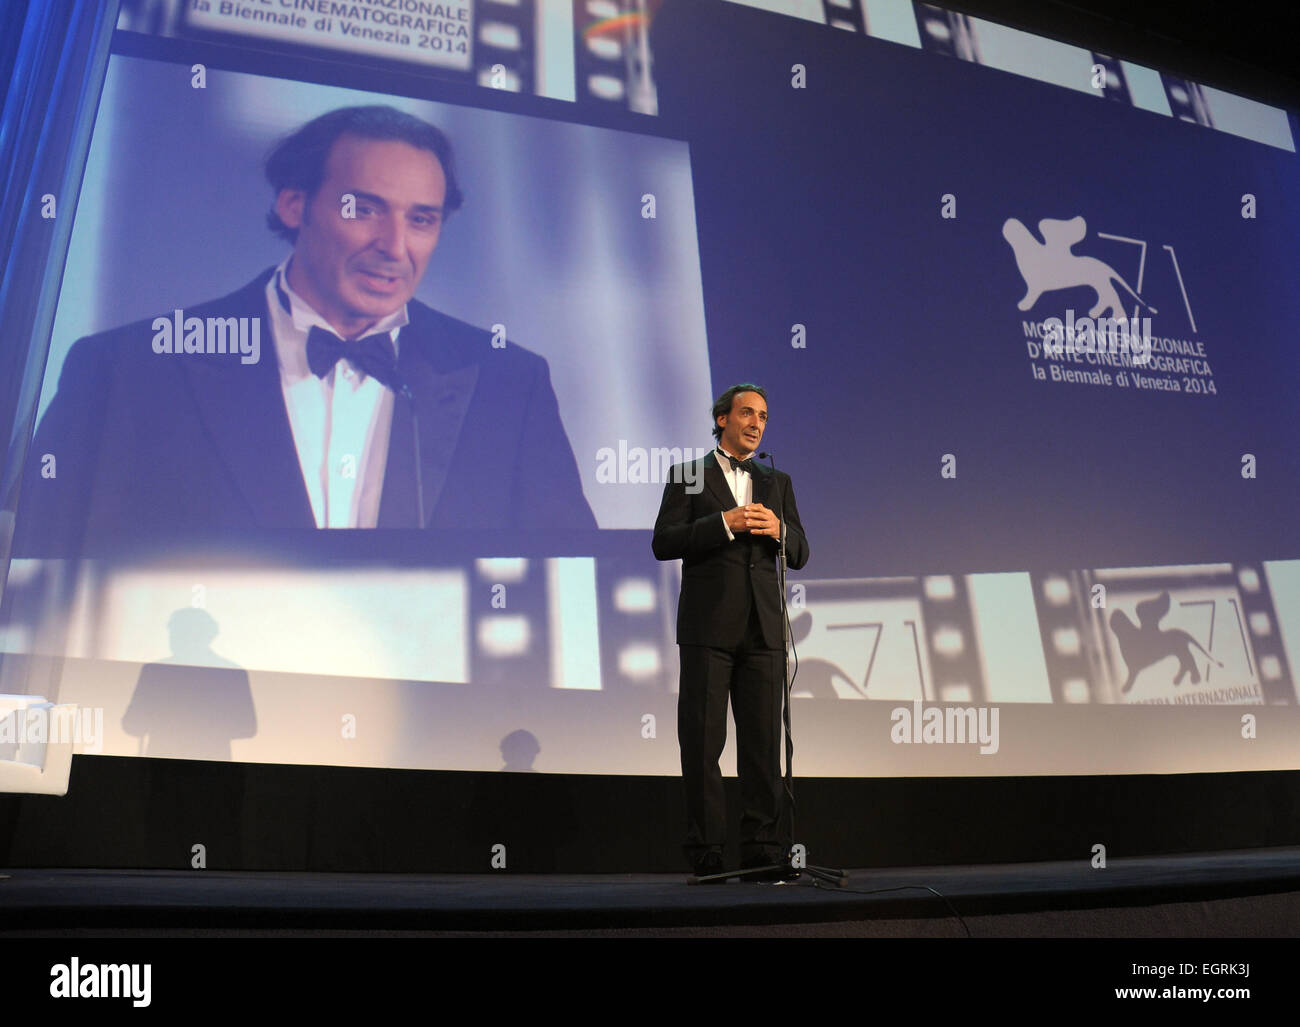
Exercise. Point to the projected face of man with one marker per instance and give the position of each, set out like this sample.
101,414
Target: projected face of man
743,427
355,271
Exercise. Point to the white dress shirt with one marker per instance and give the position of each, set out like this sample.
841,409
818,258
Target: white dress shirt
742,486
341,423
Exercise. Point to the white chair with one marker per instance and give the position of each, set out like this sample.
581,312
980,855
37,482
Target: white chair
35,761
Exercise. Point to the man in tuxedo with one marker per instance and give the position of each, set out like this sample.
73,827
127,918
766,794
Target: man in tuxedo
729,627
364,408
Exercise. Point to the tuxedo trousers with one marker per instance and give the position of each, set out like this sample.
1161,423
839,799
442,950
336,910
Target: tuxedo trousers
752,677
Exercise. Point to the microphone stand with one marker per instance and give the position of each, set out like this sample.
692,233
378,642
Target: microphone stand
828,874
405,392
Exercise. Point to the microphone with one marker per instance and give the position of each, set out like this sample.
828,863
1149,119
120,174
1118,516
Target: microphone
404,390
779,514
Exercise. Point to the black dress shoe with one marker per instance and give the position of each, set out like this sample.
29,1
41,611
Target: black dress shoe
709,865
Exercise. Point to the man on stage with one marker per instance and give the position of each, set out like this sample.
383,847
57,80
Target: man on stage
723,517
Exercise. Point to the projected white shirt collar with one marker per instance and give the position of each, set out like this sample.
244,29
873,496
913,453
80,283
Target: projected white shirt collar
304,316
341,422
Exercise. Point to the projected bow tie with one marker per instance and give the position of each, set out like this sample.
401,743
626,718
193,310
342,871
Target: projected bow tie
744,465
373,355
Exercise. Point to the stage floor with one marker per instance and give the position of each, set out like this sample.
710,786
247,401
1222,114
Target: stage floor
1228,894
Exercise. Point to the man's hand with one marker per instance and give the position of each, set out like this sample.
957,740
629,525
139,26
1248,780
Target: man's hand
755,518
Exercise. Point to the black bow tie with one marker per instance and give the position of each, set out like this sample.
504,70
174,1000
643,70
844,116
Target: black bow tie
374,355
744,465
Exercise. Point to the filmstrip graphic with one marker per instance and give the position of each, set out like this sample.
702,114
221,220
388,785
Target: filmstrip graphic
637,598
1187,101
1193,635
510,612
898,638
948,33
612,53
1116,88
845,14
937,30
505,55
589,51
605,623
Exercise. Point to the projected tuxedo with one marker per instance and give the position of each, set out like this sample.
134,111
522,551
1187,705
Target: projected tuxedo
150,445
730,638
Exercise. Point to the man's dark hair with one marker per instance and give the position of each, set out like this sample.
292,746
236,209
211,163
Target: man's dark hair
722,405
298,161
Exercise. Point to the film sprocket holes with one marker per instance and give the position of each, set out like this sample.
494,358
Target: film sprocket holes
1185,635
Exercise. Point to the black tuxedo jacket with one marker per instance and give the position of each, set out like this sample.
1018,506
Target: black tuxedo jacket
722,580
148,444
